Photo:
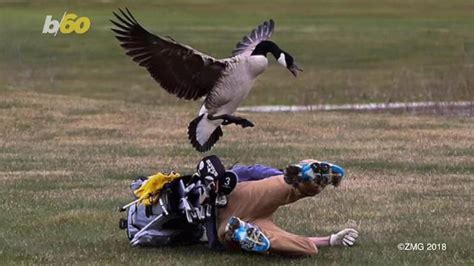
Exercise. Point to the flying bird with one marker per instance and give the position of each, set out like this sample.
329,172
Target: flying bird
191,75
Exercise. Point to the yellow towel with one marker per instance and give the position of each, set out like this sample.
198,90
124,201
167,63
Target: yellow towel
149,193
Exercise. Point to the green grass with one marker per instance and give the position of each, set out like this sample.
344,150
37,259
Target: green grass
68,166
79,119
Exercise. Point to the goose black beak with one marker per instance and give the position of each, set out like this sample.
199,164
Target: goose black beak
294,69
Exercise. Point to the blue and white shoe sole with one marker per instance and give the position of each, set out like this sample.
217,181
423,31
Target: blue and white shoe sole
241,232
295,173
337,173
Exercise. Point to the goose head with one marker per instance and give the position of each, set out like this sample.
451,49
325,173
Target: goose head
286,60
283,58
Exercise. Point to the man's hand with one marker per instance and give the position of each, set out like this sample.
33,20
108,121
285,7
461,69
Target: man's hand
346,237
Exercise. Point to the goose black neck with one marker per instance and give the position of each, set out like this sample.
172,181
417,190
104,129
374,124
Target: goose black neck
265,47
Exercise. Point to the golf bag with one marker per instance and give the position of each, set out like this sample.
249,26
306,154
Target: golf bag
184,212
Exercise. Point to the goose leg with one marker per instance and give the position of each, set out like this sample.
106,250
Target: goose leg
230,119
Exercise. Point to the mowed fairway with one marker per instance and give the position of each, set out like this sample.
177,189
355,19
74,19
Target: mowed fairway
79,120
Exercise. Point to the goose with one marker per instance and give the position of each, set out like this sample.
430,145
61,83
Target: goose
189,74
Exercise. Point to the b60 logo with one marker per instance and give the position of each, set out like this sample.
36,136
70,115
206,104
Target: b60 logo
69,23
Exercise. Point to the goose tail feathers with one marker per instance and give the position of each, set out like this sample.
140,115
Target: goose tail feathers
204,133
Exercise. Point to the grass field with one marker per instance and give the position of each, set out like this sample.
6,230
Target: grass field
79,120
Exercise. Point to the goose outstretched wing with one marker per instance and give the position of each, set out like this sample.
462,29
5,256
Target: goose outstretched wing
262,32
179,69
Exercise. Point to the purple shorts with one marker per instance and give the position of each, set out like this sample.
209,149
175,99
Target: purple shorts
254,172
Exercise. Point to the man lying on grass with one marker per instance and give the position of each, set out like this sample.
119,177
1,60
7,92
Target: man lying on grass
231,209
246,222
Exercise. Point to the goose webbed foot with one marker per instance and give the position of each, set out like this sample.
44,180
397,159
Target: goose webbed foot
243,122
230,119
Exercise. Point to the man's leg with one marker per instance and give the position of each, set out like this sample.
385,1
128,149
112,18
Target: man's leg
264,236
259,199
285,243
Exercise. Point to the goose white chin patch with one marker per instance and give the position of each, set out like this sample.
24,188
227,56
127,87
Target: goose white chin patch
282,59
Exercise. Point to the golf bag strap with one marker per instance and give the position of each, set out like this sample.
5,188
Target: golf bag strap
211,228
